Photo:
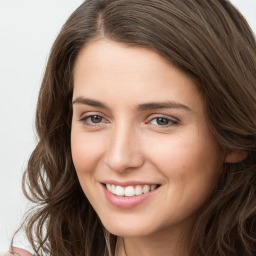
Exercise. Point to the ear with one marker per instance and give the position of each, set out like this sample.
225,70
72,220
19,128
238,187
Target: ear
235,156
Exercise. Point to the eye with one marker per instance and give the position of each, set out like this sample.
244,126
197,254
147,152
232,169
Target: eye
95,119
92,120
163,121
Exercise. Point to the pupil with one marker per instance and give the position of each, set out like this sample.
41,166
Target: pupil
96,119
162,121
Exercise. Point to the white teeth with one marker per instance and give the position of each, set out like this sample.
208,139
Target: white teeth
146,189
138,190
108,187
130,190
119,191
152,187
113,189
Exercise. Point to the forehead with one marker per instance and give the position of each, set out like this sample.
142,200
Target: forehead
114,71
112,56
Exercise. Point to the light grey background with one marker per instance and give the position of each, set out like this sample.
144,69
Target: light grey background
27,31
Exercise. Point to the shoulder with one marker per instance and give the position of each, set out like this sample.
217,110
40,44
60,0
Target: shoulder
14,251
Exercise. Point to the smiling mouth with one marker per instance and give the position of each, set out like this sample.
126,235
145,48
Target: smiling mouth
130,191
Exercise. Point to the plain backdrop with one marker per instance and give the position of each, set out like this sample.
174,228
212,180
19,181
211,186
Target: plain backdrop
27,31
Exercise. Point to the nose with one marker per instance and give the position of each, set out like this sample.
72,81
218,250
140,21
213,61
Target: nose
124,149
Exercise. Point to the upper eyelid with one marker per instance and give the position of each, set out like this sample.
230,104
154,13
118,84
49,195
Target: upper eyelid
153,116
148,118
92,113
171,122
85,122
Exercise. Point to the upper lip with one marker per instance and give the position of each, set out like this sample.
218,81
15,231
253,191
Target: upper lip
128,183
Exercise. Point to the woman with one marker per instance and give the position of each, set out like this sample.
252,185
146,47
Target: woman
147,133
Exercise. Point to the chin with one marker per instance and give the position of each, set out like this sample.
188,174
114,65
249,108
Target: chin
129,230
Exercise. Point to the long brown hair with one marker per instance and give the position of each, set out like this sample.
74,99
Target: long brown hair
208,39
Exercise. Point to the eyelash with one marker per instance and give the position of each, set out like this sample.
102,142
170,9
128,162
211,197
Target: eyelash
90,123
170,122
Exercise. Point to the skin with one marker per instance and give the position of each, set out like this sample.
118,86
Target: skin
128,142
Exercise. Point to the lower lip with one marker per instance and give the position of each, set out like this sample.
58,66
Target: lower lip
127,202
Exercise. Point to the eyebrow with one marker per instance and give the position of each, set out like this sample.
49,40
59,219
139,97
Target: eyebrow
140,107
161,105
90,102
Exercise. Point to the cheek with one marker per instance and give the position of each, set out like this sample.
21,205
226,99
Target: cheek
192,151
180,154
191,164
86,152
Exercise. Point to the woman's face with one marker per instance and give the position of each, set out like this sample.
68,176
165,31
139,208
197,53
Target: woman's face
143,152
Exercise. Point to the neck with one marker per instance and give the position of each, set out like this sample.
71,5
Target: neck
168,245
